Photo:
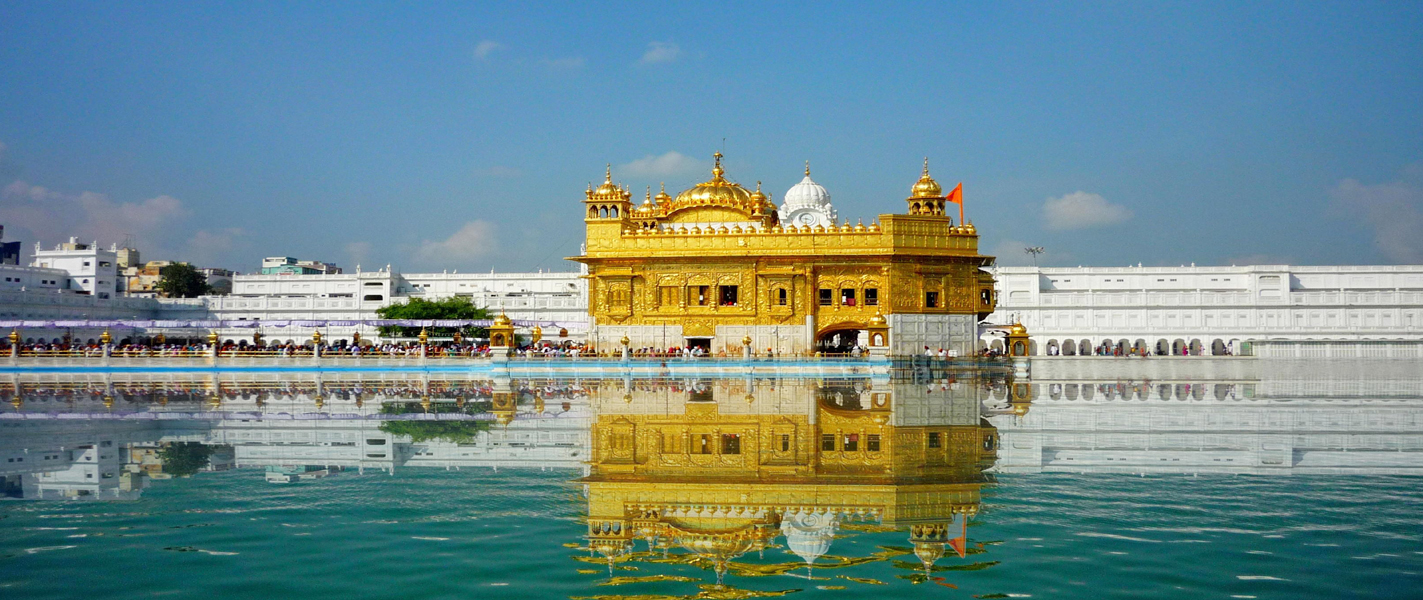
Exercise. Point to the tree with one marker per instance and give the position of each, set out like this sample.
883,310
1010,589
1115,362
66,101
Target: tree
181,280
181,459
458,432
421,309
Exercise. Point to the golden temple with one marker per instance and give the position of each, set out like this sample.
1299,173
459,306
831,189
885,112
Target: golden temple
715,267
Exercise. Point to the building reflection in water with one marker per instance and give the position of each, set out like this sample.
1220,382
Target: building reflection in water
722,468
706,472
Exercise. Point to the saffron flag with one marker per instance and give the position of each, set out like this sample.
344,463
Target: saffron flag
960,543
956,196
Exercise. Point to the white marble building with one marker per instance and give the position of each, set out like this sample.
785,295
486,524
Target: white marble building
1209,310
556,297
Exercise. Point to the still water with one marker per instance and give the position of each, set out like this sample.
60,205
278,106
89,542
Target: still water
957,483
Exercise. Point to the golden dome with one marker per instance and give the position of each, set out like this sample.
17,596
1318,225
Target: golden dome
716,191
608,188
502,319
757,195
662,196
647,202
1018,329
877,320
926,187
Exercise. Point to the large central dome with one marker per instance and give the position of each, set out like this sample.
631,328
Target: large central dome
717,191
718,202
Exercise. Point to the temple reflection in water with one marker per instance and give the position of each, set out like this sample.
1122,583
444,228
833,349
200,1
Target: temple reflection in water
721,468
704,471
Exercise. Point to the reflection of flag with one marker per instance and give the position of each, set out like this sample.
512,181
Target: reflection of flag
960,543
956,196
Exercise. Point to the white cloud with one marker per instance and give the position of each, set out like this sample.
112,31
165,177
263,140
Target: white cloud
570,62
49,216
485,48
211,248
660,52
475,240
358,251
1394,210
1080,210
670,164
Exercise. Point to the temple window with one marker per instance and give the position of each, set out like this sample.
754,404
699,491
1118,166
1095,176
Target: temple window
728,295
847,296
852,442
730,443
781,297
827,442
934,439
704,445
785,443
872,442
871,297
931,299
986,295
613,213
827,297
700,293
668,295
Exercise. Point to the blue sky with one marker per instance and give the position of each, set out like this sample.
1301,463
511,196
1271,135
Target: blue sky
461,136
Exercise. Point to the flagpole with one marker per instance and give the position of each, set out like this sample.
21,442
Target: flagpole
960,189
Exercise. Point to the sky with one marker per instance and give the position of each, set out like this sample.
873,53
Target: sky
447,136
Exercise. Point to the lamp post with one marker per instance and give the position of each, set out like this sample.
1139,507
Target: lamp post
1035,251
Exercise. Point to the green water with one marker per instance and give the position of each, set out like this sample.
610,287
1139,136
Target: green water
1206,490
485,534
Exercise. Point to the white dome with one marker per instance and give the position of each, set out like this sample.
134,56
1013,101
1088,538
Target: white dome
809,535
807,193
807,203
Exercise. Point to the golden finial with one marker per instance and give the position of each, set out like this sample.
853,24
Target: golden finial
807,168
608,174
926,166
716,169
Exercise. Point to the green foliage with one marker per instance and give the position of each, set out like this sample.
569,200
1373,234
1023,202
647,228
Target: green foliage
446,308
181,459
459,432
181,280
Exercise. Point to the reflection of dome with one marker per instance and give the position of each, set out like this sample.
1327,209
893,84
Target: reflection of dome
926,187
809,534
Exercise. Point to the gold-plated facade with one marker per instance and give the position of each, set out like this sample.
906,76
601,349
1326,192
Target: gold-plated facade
715,263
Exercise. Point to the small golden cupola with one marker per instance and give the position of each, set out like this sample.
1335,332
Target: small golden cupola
927,196
609,201
662,197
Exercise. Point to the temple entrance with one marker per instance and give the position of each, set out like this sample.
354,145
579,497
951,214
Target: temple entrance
700,342
840,341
